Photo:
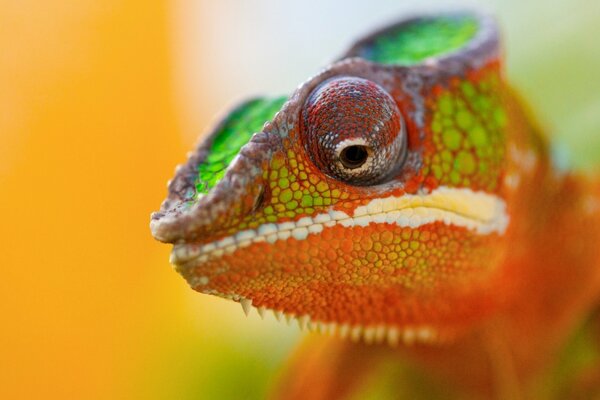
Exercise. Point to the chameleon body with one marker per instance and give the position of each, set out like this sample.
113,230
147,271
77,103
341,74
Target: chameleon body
403,201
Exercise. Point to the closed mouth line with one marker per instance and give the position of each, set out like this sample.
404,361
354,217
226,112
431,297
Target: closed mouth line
478,211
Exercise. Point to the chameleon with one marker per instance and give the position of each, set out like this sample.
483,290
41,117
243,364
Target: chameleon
404,203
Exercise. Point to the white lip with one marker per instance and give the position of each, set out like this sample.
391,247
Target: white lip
478,211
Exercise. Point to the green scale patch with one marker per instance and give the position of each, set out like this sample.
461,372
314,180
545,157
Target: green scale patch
414,42
468,133
236,131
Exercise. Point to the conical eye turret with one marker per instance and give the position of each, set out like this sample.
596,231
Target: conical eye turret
353,131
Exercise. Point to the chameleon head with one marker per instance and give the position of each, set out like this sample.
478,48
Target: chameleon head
372,203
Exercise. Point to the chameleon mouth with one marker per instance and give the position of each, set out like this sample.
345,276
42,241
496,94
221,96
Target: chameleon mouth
480,212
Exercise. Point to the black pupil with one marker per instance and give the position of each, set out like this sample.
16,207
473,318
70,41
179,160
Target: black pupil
354,156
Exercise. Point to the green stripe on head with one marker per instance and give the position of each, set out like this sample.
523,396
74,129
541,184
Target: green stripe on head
422,38
235,131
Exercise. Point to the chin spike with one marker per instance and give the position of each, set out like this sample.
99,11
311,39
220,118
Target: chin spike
356,333
288,318
369,335
344,331
246,305
261,312
393,337
302,321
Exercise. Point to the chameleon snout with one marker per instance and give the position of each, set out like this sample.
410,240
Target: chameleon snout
187,216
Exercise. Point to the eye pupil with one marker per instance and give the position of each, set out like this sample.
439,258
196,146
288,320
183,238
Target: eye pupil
354,156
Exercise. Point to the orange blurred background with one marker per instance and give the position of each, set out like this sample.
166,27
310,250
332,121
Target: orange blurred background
99,100
88,139
87,144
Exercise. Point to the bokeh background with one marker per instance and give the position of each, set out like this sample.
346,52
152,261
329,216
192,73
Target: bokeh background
100,99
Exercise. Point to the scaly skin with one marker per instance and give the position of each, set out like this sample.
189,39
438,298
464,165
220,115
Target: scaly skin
402,196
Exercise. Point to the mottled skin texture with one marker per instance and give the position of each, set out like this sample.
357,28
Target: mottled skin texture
465,245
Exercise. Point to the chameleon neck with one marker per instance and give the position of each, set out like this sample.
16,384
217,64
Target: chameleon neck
555,260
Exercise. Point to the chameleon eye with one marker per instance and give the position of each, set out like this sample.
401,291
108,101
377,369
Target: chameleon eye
353,131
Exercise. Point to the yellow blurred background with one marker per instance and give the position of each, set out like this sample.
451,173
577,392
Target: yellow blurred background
99,100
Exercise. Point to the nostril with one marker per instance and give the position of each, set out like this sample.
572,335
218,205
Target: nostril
156,215
258,202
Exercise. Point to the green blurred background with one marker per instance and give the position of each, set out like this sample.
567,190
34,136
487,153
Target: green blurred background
99,100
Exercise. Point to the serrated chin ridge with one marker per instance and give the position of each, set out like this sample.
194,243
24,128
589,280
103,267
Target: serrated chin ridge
371,334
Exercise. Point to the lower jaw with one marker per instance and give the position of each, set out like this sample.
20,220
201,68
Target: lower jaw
391,335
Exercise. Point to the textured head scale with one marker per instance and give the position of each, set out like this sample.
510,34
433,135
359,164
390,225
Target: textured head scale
370,200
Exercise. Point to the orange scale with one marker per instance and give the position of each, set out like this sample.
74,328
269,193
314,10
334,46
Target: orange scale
326,235
362,254
316,253
350,233
304,257
280,255
387,237
367,230
303,245
366,243
316,262
346,245
308,268
331,266
315,240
